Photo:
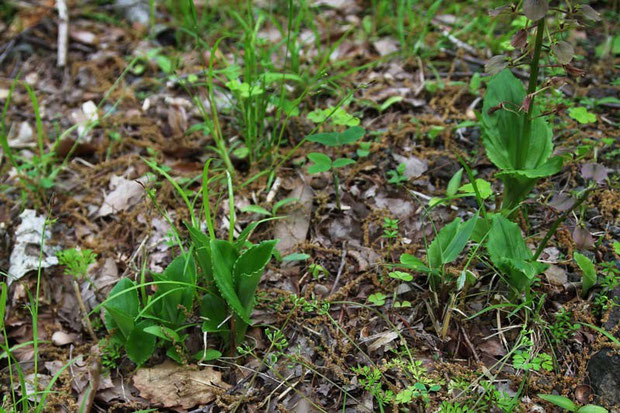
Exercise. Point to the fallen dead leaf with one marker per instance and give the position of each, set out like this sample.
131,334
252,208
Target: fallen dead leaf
125,194
293,229
173,385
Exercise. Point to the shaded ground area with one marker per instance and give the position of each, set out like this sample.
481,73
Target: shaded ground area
332,329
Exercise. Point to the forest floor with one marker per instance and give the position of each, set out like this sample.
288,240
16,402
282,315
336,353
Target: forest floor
340,322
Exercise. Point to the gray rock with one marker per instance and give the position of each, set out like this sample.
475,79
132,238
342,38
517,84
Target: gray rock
604,371
136,11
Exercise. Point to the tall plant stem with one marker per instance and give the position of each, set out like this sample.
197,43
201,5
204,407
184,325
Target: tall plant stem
531,88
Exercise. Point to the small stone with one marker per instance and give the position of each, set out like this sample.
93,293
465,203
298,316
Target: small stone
60,338
604,371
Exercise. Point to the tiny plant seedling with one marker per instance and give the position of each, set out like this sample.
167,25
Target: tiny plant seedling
76,262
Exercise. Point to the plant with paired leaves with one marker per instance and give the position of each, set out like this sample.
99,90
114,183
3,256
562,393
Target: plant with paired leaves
324,163
568,405
516,135
220,275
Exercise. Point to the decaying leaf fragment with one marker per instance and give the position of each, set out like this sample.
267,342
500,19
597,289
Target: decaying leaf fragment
175,386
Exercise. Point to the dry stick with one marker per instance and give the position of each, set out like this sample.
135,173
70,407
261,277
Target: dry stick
63,32
340,268
469,344
78,295
561,218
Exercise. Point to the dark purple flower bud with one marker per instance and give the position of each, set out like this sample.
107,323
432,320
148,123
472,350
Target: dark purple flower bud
574,71
535,9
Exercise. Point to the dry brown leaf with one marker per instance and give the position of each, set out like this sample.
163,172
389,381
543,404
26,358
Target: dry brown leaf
173,385
294,228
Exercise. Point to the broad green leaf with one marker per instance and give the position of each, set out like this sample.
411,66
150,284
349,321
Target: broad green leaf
165,333
484,187
581,115
322,163
202,250
400,275
449,242
560,401
588,270
340,162
213,311
503,128
182,270
414,263
224,257
338,138
509,253
122,307
207,355
592,408
248,270
455,183
140,344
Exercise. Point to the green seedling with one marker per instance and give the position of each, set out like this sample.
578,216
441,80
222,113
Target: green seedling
568,405
339,116
588,270
323,163
390,228
76,264
377,299
448,244
581,115
257,209
397,176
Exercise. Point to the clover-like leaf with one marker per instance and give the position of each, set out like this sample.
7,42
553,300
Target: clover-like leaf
338,138
321,163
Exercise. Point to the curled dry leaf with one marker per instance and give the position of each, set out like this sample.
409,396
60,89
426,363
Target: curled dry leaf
535,9
582,237
519,40
60,338
176,386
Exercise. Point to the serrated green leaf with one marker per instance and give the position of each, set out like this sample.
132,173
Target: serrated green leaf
224,257
588,270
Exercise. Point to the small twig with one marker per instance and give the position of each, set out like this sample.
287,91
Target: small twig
78,295
340,268
63,32
469,344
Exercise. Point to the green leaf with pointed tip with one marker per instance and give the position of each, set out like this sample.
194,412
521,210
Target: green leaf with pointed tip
592,408
248,270
455,183
321,163
140,344
414,263
450,242
559,401
509,253
202,250
182,270
256,209
340,162
165,333
588,270
224,257
213,310
122,307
